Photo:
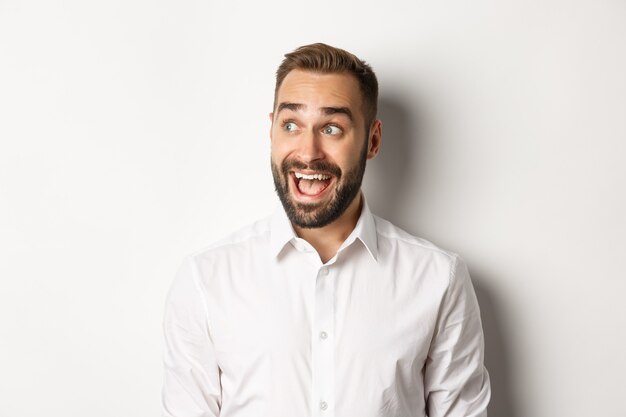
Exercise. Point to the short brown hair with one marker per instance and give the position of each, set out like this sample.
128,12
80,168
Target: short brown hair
319,57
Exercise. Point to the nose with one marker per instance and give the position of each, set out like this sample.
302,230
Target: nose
310,147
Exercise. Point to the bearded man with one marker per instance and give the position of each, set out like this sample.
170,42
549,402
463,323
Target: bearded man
323,309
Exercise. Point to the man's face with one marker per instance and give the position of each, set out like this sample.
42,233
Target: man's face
319,145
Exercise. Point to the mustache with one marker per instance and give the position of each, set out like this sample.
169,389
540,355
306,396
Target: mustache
320,166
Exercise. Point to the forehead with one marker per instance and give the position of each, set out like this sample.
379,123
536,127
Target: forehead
317,90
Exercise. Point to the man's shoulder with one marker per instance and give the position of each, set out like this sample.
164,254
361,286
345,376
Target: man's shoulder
405,241
251,234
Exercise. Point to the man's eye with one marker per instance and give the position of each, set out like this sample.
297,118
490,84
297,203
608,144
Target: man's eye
290,126
332,130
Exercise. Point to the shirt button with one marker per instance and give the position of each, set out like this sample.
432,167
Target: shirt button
323,405
324,271
323,335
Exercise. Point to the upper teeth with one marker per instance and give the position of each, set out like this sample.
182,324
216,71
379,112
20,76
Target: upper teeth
312,177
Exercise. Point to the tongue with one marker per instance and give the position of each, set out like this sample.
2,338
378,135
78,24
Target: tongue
311,187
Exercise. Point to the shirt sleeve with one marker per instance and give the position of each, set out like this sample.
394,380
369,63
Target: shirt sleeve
191,385
455,380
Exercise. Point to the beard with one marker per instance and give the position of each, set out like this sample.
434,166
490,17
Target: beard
315,215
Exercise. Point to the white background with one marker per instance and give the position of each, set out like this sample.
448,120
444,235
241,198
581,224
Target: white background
135,132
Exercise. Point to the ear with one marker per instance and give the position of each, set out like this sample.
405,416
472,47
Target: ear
271,123
375,139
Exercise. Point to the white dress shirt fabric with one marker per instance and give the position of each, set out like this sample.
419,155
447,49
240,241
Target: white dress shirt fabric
256,325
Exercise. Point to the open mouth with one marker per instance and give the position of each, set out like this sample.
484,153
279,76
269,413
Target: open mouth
311,185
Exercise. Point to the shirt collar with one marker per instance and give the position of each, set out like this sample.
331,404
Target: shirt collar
282,232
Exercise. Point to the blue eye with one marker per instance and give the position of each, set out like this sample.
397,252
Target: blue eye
290,126
332,130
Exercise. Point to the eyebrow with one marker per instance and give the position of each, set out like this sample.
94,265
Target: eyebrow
328,111
338,110
289,106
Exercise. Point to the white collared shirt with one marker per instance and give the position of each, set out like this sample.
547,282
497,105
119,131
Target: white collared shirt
256,325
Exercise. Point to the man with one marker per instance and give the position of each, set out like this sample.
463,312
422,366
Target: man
323,309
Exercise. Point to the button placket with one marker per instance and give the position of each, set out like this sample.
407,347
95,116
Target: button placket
322,344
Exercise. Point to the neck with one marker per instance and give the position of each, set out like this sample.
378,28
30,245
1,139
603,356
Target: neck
327,240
